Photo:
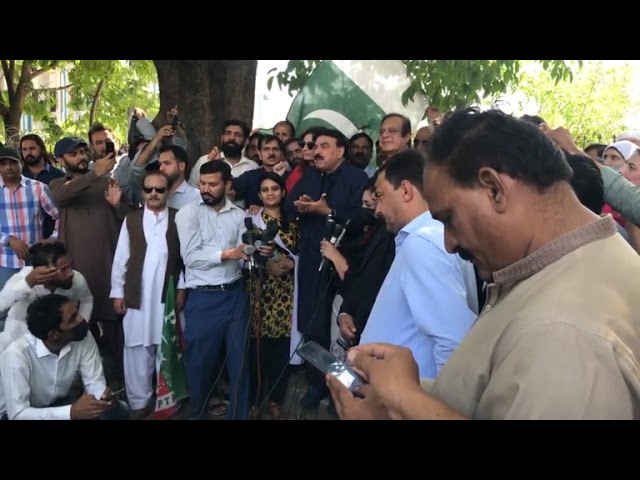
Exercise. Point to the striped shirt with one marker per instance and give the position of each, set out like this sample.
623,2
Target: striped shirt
21,217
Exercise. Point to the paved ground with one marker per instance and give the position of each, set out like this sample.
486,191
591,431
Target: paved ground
292,408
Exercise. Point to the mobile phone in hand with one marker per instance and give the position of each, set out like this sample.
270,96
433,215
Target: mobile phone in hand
326,362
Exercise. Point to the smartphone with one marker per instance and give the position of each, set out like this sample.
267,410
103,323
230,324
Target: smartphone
326,362
110,147
117,393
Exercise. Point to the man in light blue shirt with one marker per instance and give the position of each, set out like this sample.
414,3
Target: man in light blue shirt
217,308
423,303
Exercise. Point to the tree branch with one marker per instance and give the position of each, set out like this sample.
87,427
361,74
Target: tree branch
8,74
42,70
53,89
94,102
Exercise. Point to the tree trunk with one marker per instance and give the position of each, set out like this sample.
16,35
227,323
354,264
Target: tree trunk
207,93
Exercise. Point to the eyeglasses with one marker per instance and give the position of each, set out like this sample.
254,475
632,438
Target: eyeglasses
157,189
310,145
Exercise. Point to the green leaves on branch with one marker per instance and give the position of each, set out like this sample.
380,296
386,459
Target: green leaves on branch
98,91
294,76
594,107
447,84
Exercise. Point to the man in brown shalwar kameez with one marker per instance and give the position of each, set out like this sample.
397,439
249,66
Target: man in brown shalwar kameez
90,218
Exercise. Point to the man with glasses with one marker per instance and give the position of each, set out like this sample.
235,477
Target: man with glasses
395,135
148,253
307,151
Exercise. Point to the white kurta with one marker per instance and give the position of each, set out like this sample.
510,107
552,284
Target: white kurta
143,327
17,296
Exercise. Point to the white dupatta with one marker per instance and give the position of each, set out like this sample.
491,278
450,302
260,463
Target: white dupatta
296,336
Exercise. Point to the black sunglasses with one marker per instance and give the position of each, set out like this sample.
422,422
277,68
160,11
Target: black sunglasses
310,145
157,189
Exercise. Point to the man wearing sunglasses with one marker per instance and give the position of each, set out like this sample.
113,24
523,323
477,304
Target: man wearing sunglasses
148,253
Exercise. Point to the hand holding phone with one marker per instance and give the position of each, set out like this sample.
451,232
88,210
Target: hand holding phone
326,362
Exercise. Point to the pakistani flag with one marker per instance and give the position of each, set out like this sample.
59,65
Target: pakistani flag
172,377
353,95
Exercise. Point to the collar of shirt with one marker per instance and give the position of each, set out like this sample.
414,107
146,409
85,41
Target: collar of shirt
23,182
43,351
181,189
228,205
242,160
413,226
555,250
149,214
26,172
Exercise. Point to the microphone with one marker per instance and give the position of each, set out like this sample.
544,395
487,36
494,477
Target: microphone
248,238
270,233
336,236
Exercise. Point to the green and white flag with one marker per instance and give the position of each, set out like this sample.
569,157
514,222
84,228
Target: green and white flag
353,95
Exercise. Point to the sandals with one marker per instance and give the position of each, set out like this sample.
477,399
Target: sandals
275,411
217,407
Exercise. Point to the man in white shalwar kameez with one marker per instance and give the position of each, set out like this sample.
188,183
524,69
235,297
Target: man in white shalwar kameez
148,252
50,272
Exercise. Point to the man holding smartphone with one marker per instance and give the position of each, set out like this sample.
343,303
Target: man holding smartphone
38,369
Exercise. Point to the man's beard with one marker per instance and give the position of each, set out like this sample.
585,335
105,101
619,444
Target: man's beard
32,161
81,167
232,150
211,200
360,161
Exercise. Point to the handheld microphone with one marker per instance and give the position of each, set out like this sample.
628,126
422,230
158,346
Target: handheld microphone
270,233
336,236
342,233
249,239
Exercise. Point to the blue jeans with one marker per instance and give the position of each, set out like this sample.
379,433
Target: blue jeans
212,317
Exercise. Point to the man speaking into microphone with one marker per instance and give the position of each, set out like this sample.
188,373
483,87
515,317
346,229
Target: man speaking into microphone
217,309
333,189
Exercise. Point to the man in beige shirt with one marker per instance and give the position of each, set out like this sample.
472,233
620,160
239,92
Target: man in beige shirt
559,336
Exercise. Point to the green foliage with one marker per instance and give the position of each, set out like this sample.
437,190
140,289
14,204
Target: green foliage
447,83
294,76
111,88
106,88
594,107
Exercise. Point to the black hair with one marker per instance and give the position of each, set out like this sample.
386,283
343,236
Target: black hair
44,315
43,254
237,123
178,152
406,123
38,139
341,140
470,139
407,165
284,222
268,139
587,182
217,166
362,135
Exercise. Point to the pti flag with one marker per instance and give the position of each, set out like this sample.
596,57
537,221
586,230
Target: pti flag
353,95
172,377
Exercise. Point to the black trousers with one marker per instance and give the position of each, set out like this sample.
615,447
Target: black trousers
265,368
